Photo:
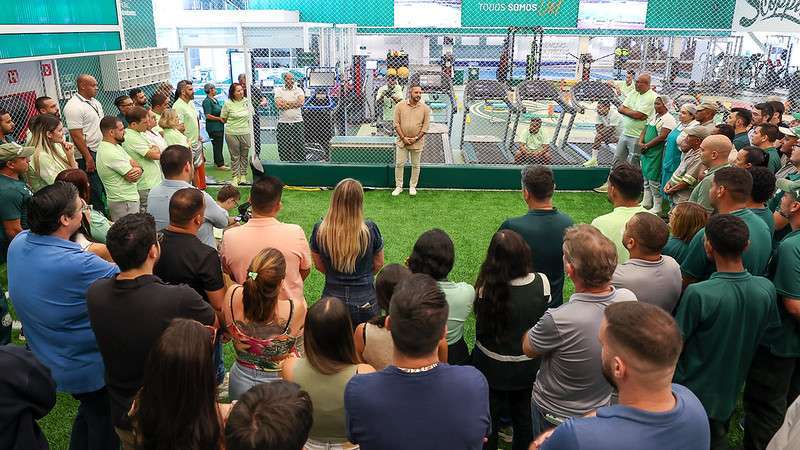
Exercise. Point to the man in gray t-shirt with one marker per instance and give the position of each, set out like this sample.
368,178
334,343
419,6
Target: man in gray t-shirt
653,278
570,381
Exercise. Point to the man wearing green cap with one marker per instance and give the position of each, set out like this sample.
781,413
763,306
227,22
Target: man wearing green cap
14,195
774,378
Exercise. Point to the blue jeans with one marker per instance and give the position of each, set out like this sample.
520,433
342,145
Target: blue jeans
540,424
219,362
360,301
243,378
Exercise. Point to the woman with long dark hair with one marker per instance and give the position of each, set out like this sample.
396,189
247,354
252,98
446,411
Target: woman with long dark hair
177,406
94,225
265,329
511,299
330,362
434,255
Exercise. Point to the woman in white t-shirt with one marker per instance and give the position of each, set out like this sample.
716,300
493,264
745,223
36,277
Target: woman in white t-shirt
652,142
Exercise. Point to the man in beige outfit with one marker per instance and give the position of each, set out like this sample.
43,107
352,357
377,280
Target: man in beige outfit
411,120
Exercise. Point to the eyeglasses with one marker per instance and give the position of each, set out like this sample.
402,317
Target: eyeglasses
85,207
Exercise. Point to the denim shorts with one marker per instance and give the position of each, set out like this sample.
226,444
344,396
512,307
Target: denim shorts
243,378
360,301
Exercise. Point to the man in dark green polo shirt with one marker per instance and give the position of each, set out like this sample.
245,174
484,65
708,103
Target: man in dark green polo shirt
740,119
774,379
714,152
723,320
729,194
14,196
543,228
764,138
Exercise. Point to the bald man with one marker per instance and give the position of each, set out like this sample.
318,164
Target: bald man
289,132
714,153
636,109
82,114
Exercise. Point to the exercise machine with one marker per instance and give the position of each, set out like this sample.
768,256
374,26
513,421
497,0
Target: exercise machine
318,111
587,92
486,149
437,91
541,90
533,60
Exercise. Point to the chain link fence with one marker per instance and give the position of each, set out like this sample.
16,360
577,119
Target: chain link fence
498,94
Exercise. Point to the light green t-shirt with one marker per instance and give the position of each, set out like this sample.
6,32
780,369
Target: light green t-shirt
533,141
460,298
44,167
625,88
390,100
239,116
612,225
644,103
175,137
100,226
113,162
701,191
137,147
188,115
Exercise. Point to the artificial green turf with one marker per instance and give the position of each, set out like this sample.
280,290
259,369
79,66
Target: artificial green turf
470,218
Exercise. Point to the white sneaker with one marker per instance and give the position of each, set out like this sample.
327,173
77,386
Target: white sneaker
592,162
397,191
412,191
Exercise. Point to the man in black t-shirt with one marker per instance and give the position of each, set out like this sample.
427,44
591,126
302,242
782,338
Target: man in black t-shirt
128,313
185,259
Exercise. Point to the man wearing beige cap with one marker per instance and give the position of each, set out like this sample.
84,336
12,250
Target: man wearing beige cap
14,192
703,118
714,153
687,175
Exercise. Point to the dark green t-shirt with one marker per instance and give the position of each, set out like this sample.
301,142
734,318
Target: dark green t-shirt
14,196
741,141
543,230
774,162
213,107
766,215
787,285
723,320
698,266
676,248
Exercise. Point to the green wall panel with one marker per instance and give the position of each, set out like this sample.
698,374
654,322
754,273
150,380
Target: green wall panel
701,14
47,44
373,13
59,12
137,22
432,176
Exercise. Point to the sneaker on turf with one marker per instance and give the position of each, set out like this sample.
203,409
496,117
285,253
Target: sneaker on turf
397,191
412,191
592,162
601,189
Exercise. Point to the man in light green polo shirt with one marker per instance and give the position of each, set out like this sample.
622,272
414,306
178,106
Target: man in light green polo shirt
117,170
533,149
774,378
625,187
730,192
714,151
626,86
390,94
145,154
636,109
184,106
723,321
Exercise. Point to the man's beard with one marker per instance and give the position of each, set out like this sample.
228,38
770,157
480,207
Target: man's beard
607,374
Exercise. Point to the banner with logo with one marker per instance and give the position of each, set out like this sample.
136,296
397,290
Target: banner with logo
767,15
544,13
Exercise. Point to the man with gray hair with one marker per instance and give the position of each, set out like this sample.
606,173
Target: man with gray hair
570,382
290,132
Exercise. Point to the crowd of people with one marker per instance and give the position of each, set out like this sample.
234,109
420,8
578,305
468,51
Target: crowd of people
126,305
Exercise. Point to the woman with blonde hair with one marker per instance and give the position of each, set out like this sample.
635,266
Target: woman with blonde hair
685,220
349,251
53,154
264,328
170,122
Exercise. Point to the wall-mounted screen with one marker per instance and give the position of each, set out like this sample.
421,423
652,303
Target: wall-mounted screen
612,14
427,13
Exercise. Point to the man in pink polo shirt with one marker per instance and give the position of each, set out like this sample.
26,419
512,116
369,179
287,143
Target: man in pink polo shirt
241,244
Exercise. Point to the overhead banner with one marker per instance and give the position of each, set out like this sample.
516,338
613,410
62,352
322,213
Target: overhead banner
767,15
499,13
